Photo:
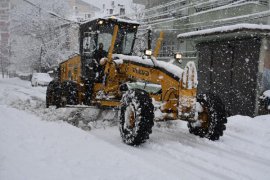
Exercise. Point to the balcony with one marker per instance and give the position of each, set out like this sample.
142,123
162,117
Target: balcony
142,2
216,4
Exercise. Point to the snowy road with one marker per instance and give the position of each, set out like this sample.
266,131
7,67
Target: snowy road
35,143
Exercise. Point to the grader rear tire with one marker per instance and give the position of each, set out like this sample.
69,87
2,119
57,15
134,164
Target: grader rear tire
53,94
69,95
136,117
212,119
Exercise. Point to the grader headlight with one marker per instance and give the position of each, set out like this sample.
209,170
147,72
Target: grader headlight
178,57
148,52
100,22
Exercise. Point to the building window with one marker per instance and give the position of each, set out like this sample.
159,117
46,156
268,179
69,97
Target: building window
122,11
111,11
87,16
75,9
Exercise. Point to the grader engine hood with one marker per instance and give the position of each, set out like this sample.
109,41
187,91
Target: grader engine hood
145,66
187,76
178,86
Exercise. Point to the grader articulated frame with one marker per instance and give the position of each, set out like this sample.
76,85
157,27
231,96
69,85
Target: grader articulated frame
142,88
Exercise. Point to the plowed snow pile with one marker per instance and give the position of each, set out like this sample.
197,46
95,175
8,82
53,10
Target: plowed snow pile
37,143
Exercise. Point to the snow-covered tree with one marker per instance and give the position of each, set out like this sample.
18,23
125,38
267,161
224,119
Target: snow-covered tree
40,38
137,13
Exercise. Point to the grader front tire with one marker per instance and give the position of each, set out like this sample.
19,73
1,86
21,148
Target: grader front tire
212,118
136,117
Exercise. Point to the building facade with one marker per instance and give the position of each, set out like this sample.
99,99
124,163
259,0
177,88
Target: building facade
179,16
113,9
82,10
4,36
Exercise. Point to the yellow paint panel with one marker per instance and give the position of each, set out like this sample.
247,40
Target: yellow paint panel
110,103
71,69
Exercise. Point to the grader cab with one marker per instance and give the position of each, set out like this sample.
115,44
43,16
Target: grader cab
142,88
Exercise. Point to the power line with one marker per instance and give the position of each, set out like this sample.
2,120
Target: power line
260,14
223,21
49,12
171,19
192,4
232,4
267,14
163,6
235,19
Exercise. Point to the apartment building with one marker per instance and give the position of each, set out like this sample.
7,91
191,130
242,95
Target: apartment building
82,10
113,9
179,16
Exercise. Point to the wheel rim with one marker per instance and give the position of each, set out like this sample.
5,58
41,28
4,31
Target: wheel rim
130,117
204,118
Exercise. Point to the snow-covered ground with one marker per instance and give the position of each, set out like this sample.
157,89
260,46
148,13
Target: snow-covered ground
37,143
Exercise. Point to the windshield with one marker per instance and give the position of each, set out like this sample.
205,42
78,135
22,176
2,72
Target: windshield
105,36
94,34
124,40
105,39
128,42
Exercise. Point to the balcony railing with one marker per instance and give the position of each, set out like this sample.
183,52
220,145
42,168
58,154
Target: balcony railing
216,4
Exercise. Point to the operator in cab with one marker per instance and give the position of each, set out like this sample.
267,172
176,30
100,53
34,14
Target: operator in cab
98,55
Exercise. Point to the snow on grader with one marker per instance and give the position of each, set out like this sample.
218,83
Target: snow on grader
143,89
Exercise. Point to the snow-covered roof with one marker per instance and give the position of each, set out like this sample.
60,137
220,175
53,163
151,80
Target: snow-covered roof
171,68
115,18
226,29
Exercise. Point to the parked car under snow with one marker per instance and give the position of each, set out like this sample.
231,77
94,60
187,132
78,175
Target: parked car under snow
40,79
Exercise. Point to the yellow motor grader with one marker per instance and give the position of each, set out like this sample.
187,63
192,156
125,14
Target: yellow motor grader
142,88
